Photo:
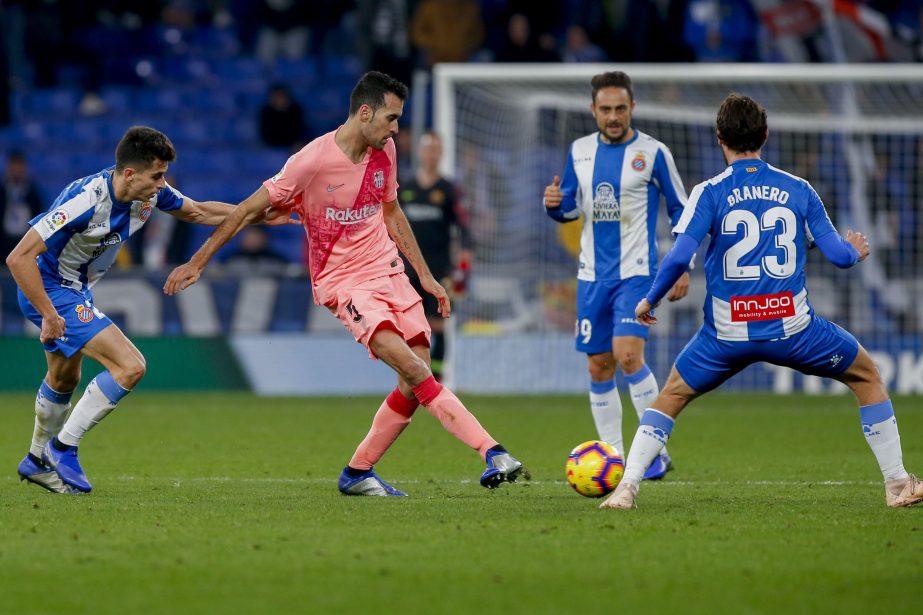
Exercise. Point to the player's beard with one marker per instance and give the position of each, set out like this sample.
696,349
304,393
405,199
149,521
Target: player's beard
616,134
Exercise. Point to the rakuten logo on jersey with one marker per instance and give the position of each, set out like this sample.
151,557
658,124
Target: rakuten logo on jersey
762,307
351,216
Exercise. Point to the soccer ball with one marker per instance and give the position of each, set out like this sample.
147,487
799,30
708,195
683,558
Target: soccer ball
594,468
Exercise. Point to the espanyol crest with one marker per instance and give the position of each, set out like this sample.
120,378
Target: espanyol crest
379,179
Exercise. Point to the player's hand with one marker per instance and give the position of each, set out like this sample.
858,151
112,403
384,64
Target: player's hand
436,289
52,328
680,289
275,216
553,194
181,278
643,313
860,242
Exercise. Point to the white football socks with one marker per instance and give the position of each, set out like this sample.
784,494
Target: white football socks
98,400
642,386
653,432
50,411
606,406
880,428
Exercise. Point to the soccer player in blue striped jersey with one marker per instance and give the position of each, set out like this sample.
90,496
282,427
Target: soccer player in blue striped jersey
615,178
56,263
761,219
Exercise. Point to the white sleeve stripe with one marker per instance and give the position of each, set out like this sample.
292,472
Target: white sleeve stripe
689,209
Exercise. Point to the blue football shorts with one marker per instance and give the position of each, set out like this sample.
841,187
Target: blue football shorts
82,320
606,310
822,349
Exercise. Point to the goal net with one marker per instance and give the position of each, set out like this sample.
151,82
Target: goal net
855,132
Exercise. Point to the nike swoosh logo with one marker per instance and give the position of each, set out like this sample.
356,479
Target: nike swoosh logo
332,188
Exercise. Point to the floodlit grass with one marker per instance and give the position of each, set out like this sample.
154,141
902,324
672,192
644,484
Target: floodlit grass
227,503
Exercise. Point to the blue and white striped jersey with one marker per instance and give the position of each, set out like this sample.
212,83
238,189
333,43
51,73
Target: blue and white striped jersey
761,220
617,188
85,226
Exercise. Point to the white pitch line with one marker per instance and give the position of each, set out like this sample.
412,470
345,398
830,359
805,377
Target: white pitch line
668,483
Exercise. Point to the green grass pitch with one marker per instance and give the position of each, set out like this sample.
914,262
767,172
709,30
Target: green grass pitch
227,503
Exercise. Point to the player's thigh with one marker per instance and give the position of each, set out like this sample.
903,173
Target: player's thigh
706,362
389,345
112,348
594,317
864,379
675,396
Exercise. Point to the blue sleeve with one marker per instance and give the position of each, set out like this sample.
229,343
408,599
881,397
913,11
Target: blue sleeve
567,212
674,264
816,218
169,199
837,250
696,218
670,184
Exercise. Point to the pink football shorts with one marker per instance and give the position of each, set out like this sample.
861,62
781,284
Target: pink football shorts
388,301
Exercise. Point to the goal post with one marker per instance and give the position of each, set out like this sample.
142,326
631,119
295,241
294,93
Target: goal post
854,131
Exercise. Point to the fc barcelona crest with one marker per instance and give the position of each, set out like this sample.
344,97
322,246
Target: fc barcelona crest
379,179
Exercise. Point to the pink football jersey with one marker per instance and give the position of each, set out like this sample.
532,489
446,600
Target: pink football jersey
341,205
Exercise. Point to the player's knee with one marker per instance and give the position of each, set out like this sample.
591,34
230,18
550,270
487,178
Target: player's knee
630,361
131,374
601,367
414,370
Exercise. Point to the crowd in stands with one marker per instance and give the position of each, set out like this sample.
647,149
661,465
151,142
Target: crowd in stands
229,79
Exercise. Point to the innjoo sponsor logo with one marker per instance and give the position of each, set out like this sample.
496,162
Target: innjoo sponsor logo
762,307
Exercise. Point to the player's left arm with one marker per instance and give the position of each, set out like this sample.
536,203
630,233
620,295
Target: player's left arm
842,252
251,209
213,213
402,235
666,177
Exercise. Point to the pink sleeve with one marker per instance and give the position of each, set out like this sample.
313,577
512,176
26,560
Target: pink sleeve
291,181
391,184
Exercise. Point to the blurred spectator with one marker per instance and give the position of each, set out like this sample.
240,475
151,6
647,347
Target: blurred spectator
646,31
579,48
282,122
447,30
431,205
522,46
283,31
20,201
722,30
254,251
403,143
383,41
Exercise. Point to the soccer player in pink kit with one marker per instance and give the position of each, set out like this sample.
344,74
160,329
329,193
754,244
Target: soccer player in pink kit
343,187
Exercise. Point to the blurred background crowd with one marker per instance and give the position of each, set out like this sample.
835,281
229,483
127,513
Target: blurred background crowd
240,84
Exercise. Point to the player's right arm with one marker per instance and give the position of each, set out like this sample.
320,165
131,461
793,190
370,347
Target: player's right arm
24,268
560,199
251,209
843,253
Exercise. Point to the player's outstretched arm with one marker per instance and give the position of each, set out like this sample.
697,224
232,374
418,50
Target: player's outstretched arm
843,253
21,262
402,235
186,275
213,213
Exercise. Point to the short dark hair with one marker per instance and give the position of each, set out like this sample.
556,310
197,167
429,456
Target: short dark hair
371,91
613,79
742,123
141,146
